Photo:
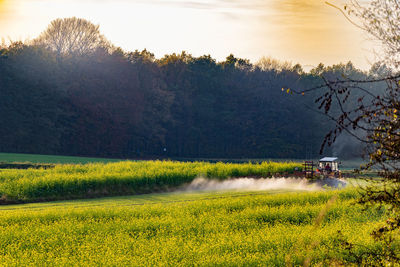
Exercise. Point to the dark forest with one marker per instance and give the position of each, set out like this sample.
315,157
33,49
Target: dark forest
107,102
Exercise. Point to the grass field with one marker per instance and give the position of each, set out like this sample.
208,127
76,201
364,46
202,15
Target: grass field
202,229
50,159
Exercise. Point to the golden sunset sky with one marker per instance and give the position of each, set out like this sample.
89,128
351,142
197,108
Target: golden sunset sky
303,31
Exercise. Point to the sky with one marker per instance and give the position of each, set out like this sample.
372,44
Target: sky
301,31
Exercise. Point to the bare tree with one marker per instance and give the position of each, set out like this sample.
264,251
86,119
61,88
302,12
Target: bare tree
268,64
374,119
380,19
72,36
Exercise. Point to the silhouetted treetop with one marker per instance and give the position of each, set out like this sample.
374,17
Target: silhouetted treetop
72,36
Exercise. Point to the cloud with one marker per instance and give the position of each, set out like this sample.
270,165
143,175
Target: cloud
227,8
203,4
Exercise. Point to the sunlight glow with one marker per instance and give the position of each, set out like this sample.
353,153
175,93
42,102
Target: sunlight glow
305,31
311,30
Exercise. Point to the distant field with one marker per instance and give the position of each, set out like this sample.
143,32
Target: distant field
203,229
32,158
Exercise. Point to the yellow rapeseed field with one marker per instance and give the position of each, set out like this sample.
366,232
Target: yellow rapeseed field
121,178
208,229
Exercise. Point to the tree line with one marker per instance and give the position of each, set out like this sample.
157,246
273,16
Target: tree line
71,92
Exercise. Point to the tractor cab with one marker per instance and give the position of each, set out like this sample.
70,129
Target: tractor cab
329,167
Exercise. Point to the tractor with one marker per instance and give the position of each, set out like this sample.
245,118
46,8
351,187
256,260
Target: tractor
328,167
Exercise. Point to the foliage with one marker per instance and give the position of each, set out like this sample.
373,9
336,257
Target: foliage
123,178
211,229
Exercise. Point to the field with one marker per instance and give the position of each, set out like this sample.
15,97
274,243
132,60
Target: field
175,228
122,178
204,229
49,159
